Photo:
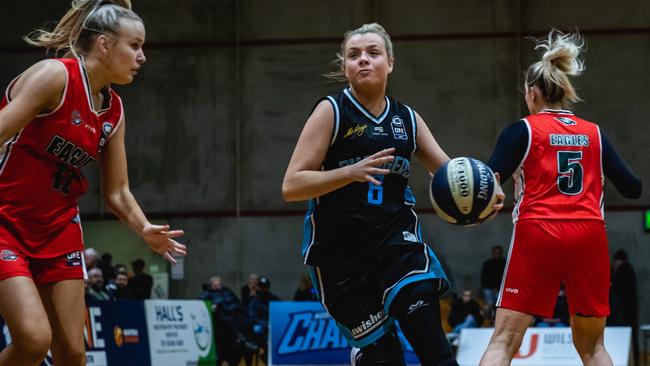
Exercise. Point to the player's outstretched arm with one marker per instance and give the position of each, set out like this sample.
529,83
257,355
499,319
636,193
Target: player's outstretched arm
122,203
429,152
304,178
432,157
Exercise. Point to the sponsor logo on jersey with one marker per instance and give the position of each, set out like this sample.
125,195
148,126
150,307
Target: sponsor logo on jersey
568,140
73,259
76,118
357,130
8,255
379,131
399,131
107,127
417,305
68,153
566,121
512,290
409,236
369,324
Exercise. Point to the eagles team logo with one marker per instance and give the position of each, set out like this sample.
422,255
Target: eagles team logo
566,121
8,255
399,131
76,118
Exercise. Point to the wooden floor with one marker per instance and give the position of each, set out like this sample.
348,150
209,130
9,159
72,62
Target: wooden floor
641,361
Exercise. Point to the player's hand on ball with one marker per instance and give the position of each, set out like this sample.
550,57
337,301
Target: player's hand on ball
366,169
498,205
160,240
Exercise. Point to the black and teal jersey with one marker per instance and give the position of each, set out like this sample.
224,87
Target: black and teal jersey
356,219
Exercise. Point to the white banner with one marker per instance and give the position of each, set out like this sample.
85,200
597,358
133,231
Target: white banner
180,332
544,347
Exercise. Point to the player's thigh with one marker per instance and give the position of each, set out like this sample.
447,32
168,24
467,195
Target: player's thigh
587,330
24,313
534,269
65,305
588,275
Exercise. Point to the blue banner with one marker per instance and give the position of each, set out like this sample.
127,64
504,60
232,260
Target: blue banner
115,334
116,331
303,333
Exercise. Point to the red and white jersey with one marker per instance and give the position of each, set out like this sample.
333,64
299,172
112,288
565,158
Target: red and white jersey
40,167
561,174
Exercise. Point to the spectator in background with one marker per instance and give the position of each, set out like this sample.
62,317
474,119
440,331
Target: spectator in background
560,313
305,290
234,335
465,313
96,290
623,298
258,311
107,267
249,289
491,274
90,258
141,283
258,308
121,268
120,287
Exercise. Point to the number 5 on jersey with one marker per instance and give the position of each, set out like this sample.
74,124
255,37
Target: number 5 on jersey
569,180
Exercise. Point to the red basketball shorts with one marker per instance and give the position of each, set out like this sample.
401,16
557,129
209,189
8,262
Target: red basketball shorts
545,253
42,270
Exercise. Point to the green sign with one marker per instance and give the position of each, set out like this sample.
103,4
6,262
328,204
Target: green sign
646,220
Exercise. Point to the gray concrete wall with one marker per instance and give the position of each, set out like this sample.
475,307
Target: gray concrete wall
268,245
214,115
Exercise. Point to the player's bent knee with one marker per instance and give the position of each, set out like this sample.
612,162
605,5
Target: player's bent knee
33,337
32,346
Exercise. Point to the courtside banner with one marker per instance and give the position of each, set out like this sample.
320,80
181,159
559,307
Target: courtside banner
180,332
116,333
303,333
544,347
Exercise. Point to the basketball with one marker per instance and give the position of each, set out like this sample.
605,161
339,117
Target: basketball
462,191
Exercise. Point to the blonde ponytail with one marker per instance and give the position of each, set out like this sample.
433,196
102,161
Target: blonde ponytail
560,60
78,28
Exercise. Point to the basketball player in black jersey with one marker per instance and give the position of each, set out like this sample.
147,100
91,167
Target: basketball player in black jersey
362,237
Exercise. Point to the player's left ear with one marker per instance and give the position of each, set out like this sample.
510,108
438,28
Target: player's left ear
103,43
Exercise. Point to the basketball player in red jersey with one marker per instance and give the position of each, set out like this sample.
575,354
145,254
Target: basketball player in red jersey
56,117
558,162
